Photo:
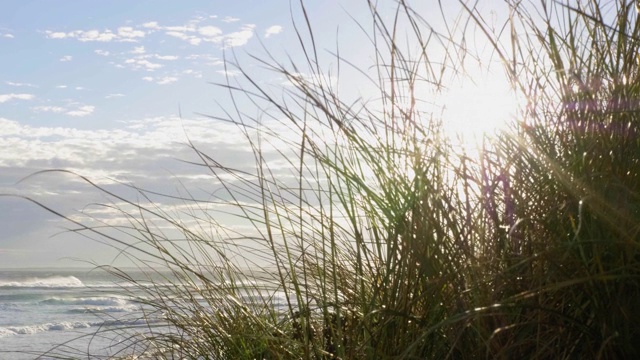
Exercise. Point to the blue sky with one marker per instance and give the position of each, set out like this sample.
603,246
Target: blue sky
97,87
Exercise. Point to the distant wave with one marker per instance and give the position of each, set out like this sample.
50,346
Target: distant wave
92,304
33,329
70,325
91,301
51,282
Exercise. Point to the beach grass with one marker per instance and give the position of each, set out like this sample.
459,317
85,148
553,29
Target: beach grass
363,232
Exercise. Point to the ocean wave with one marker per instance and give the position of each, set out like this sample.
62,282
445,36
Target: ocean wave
47,282
91,301
33,329
74,325
99,310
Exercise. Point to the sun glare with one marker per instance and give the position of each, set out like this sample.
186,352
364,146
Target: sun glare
476,107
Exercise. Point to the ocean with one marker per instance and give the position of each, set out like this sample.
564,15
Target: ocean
40,309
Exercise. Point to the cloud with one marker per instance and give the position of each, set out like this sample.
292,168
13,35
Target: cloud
102,52
272,30
210,31
166,57
53,109
128,32
56,35
230,19
61,87
166,80
141,63
123,34
66,58
161,80
151,25
138,50
8,97
81,111
19,84
229,73
239,38
8,36
110,96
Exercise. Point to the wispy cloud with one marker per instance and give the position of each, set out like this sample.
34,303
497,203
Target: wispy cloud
78,111
138,50
164,80
272,30
127,32
239,38
19,84
66,58
230,19
141,63
82,111
8,97
123,34
210,31
7,36
111,96
166,57
102,52
229,73
53,109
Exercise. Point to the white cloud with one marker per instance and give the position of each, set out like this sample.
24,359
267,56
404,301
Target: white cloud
229,73
210,31
66,58
110,96
239,38
8,36
178,34
123,34
161,80
82,111
102,52
53,109
182,29
166,57
79,87
95,35
8,97
138,50
151,25
166,80
18,84
272,30
56,35
129,32
61,87
138,63
230,19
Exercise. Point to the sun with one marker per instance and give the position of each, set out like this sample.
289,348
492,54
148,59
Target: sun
478,106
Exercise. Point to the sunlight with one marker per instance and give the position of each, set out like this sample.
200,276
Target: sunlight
476,107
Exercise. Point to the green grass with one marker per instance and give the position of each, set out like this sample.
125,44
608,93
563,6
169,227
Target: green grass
384,241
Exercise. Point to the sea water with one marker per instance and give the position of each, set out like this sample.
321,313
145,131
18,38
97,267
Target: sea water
83,313
65,311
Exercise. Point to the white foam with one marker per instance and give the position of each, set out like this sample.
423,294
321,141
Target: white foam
33,329
47,282
91,301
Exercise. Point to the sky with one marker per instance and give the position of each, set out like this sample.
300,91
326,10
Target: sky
113,90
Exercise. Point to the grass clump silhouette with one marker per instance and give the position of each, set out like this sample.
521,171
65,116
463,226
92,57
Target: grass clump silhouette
381,239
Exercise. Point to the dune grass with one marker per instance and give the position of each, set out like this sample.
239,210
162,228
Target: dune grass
382,239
